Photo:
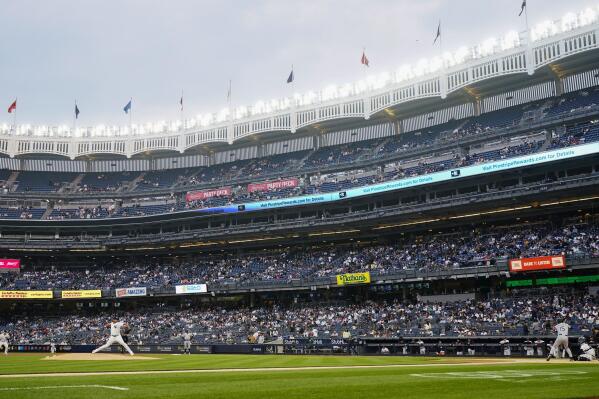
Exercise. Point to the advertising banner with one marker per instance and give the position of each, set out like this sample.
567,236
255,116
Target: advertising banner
191,289
26,295
81,294
410,182
202,195
539,263
10,264
131,291
273,185
353,278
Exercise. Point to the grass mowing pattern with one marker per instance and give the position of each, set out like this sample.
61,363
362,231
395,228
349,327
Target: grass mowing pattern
330,384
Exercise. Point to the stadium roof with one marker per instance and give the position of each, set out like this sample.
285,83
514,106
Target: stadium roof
548,51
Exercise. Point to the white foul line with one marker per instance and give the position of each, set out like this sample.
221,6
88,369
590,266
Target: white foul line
65,386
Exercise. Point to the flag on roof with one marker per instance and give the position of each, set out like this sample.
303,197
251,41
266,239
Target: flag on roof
12,107
438,33
364,59
522,7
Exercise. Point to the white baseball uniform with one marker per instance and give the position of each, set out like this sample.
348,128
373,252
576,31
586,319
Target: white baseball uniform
507,350
115,336
588,353
52,348
561,340
4,342
539,343
530,350
187,341
422,347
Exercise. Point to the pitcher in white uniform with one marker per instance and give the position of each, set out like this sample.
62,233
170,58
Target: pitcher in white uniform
115,336
4,342
561,341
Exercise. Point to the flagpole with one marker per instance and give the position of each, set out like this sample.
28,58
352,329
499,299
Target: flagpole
526,21
75,119
229,95
14,118
441,45
131,115
181,109
292,83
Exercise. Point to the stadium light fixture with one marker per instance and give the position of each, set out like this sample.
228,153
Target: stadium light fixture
569,22
421,67
510,40
330,92
587,16
404,72
222,115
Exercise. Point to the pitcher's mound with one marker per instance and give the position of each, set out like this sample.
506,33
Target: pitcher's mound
97,356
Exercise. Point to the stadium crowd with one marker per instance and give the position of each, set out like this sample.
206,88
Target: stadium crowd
435,252
530,315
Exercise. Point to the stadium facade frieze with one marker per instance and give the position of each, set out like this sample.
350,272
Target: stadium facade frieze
527,58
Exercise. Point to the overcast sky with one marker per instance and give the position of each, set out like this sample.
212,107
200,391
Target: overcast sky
102,52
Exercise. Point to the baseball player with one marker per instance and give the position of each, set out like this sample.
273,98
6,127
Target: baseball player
187,342
52,349
471,350
529,348
4,342
505,344
561,341
422,347
539,343
115,336
587,352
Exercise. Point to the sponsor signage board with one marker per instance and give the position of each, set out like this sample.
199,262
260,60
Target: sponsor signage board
538,263
191,289
353,278
131,291
202,195
273,185
26,295
67,294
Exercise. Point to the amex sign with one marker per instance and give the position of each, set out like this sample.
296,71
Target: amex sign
539,263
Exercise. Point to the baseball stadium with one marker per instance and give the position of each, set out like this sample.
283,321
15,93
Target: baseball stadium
428,231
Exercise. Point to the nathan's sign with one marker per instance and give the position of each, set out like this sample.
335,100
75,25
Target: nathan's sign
81,294
539,263
26,295
202,195
273,185
353,278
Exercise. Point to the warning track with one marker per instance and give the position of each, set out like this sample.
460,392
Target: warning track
470,362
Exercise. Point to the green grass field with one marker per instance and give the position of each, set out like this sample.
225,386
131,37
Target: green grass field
171,376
